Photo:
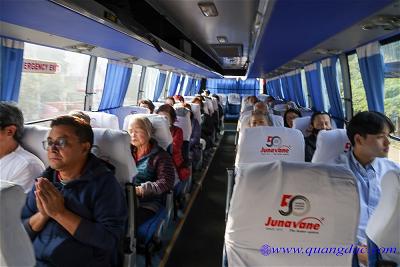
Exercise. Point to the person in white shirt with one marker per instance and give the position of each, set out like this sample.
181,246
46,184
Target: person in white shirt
16,164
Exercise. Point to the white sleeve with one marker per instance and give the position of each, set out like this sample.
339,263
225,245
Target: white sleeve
26,176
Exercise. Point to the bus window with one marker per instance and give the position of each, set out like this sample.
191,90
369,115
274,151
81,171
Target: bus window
304,87
46,93
133,87
150,81
357,88
325,97
340,83
98,85
391,54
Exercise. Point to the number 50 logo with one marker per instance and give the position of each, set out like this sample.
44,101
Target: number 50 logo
273,141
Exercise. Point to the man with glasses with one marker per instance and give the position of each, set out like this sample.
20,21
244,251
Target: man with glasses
16,164
76,213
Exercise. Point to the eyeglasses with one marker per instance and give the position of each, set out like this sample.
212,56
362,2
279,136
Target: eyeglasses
59,144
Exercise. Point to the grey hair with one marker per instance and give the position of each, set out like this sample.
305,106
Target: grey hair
144,123
10,114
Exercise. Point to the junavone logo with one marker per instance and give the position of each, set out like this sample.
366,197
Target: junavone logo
297,205
274,146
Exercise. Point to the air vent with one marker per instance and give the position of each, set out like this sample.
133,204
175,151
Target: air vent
228,50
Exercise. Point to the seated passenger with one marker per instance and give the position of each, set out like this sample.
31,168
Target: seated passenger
319,121
194,144
16,164
80,114
262,107
170,101
156,172
270,101
220,111
76,213
146,103
368,133
258,119
289,117
177,136
179,99
207,123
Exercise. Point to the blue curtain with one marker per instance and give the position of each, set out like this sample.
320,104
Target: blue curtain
115,85
271,89
313,78
372,74
296,88
159,86
189,86
12,58
276,84
238,86
173,84
180,88
287,90
195,88
332,87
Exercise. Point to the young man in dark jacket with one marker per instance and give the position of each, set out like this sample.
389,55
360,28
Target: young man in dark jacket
76,212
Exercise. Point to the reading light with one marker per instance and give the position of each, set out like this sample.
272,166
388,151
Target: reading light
222,39
208,9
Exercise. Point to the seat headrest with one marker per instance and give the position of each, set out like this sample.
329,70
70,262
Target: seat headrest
214,102
223,98
263,144
209,106
15,245
383,226
234,99
113,146
122,112
32,140
280,107
303,123
262,97
291,201
277,120
330,144
196,111
103,120
183,122
160,126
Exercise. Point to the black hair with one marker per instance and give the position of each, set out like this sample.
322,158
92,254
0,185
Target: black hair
149,103
10,114
368,122
168,109
290,110
317,113
82,129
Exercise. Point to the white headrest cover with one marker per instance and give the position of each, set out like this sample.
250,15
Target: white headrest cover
280,107
209,106
383,226
188,98
214,103
330,144
263,144
223,98
103,120
196,112
15,245
277,120
234,99
262,97
302,124
113,146
160,125
292,205
32,140
183,122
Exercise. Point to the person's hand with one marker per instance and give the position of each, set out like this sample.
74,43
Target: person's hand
50,199
363,255
139,191
39,204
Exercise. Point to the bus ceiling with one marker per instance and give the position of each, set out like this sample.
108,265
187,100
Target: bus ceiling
210,38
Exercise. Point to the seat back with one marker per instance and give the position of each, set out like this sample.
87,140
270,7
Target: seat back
293,205
32,140
223,99
330,144
263,144
302,124
122,112
113,146
161,128
196,112
15,245
262,97
103,120
234,99
183,122
209,105
277,120
383,226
